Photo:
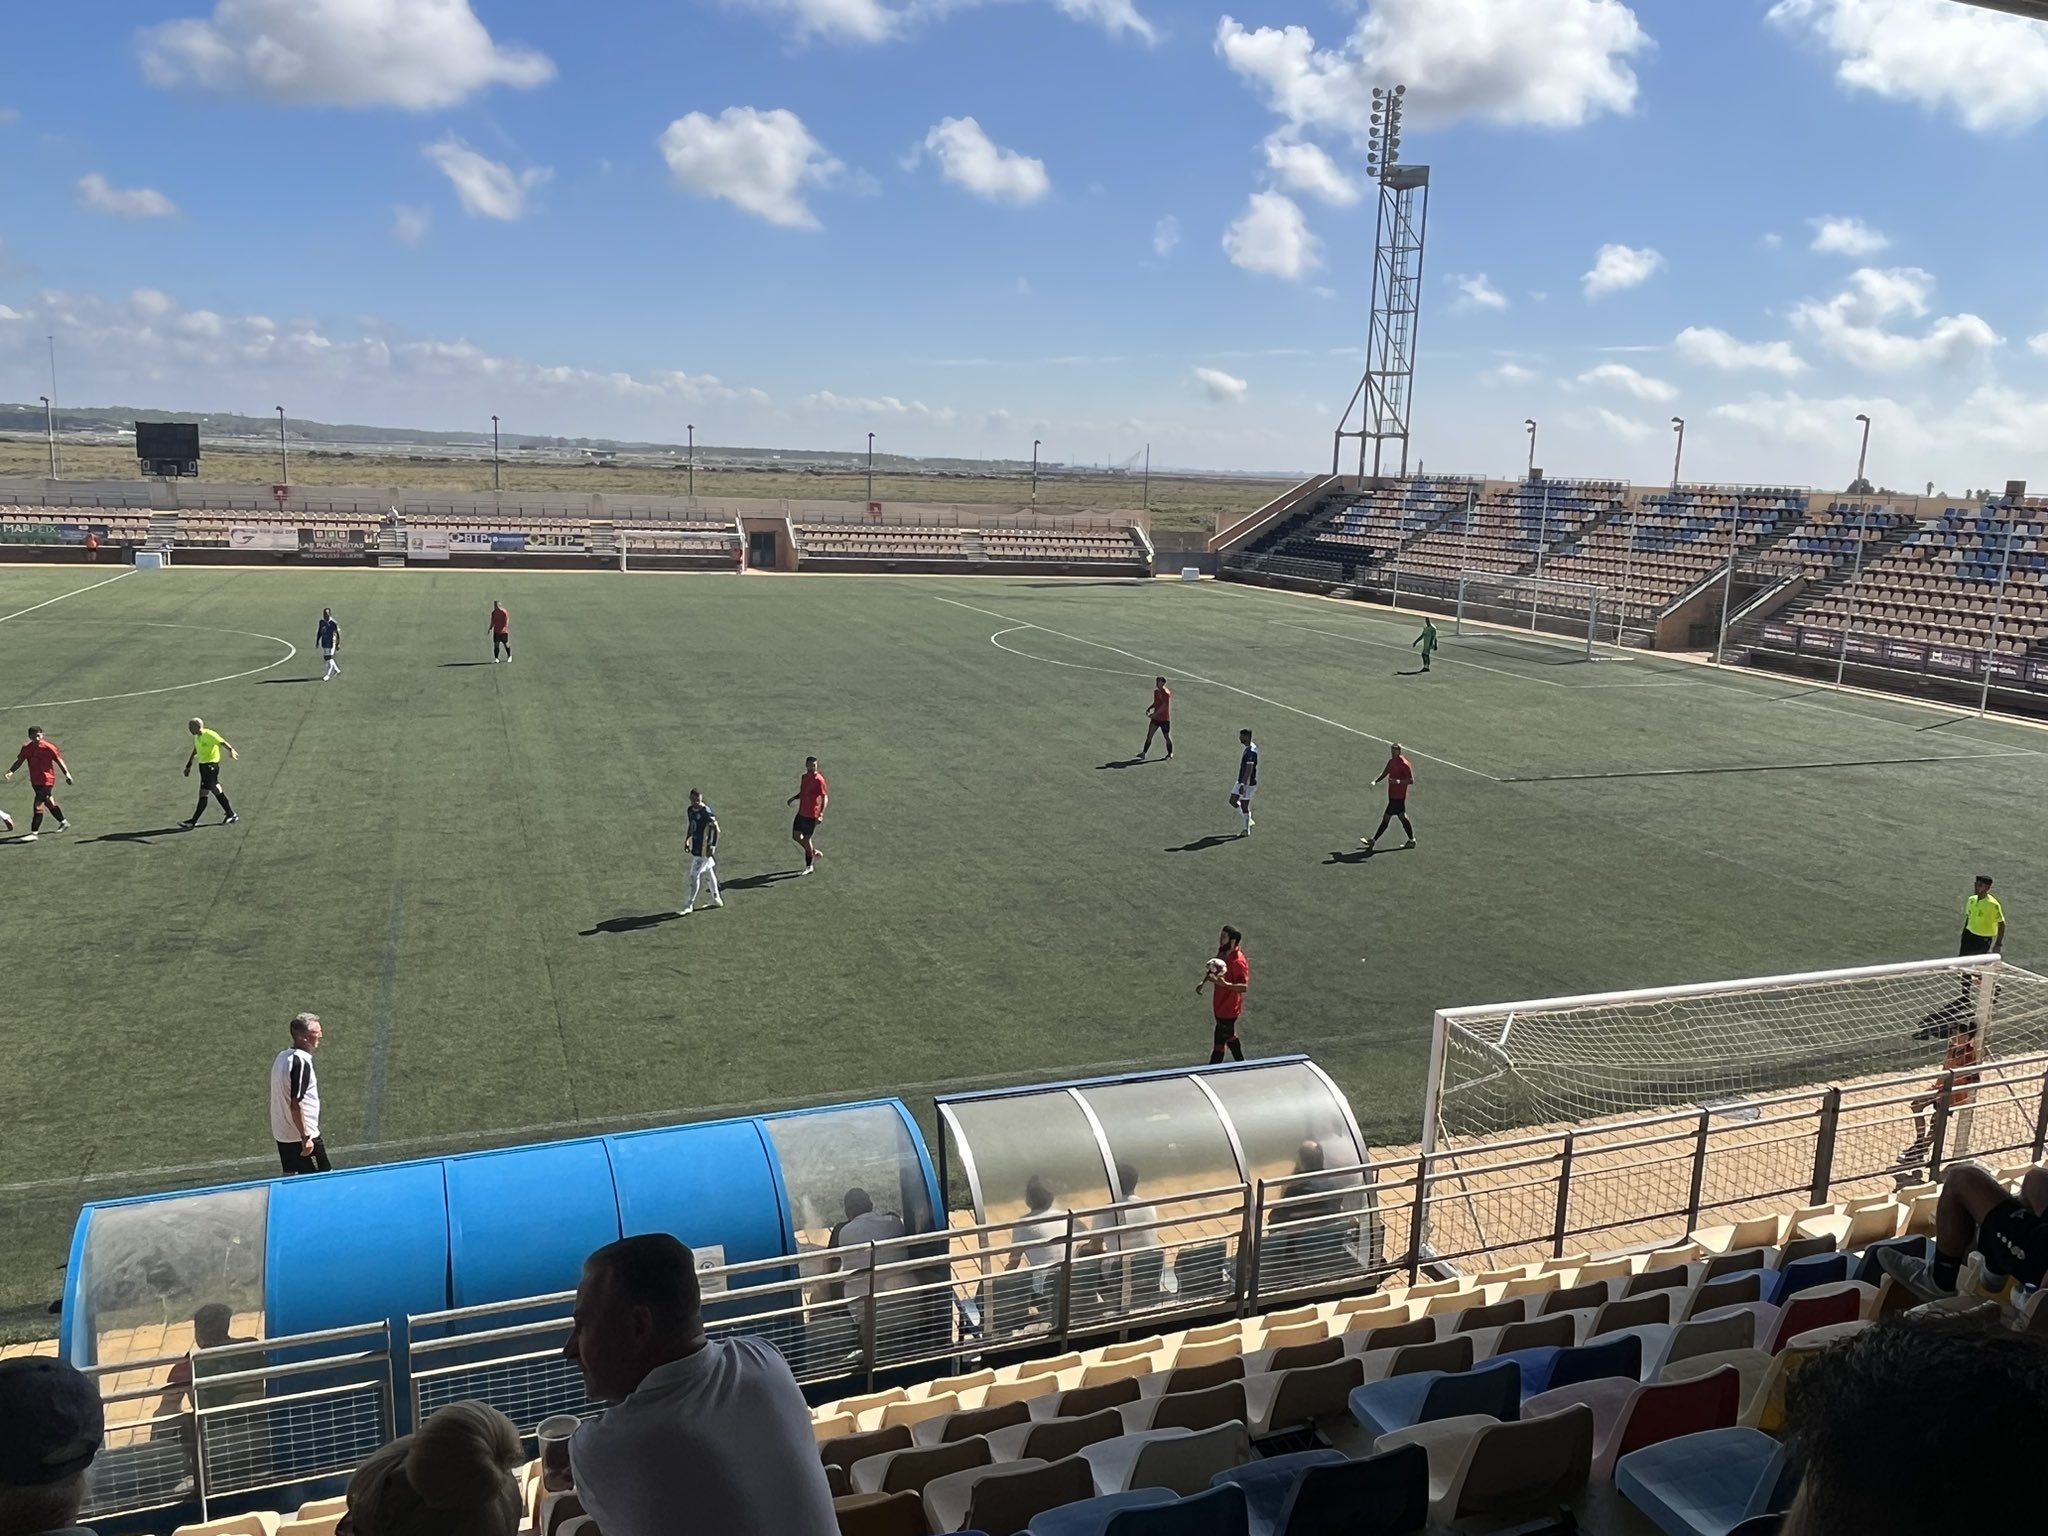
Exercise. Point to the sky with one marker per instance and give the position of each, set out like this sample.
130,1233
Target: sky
963,225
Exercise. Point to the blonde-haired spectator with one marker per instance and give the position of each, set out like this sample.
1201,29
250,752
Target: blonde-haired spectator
454,1476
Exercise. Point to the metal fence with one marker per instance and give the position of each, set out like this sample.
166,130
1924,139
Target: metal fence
290,1409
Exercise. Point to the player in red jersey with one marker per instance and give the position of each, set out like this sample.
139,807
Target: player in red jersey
810,799
501,632
1159,718
1399,774
45,761
1229,977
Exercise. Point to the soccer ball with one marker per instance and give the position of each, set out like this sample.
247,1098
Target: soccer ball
1215,967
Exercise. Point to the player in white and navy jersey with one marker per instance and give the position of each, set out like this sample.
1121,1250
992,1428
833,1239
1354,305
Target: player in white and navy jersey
1247,783
702,836
328,637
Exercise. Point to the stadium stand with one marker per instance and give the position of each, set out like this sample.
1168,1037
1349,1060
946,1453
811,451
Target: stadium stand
1362,528
1667,543
1514,528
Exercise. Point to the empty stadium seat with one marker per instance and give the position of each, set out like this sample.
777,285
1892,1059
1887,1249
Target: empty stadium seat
1704,1484
1381,1407
1181,1459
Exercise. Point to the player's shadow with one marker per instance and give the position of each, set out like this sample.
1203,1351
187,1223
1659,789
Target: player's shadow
1414,672
272,682
755,882
630,924
465,663
1349,856
1127,762
133,837
1213,840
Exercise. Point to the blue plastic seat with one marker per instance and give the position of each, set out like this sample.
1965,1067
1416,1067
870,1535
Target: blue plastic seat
1871,1272
1216,1511
1493,1389
1804,1274
1564,1366
1090,1517
1705,1484
1373,1496
1269,1485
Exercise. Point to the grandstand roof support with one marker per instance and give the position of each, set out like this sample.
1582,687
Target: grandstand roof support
1380,404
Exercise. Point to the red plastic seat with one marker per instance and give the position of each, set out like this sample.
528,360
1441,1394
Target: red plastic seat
1804,1312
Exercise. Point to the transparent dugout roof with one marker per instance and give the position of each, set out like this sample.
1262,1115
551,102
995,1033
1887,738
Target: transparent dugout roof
146,1269
826,1154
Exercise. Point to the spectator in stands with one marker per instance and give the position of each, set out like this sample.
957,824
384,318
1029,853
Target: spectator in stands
1888,1426
51,1425
863,1224
702,1434
212,1328
1043,1232
1976,1213
457,1475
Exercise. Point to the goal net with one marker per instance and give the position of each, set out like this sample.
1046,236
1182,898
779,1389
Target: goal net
1727,1096
1570,608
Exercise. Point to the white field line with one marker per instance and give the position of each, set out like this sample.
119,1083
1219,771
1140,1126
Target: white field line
1160,667
4,617
1453,661
290,651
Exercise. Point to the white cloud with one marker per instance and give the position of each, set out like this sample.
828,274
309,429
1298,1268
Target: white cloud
1545,63
2038,344
1837,236
151,303
409,225
1510,373
1623,427
1308,168
969,158
760,161
1990,70
1475,293
1851,324
420,55
1617,267
1712,348
1621,376
1114,17
485,188
7,314
1272,237
1165,236
9,116
1772,240
1221,388
100,195
884,405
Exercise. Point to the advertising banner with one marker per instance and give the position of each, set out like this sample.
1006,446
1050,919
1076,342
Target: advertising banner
330,543
28,533
557,543
426,544
470,541
273,540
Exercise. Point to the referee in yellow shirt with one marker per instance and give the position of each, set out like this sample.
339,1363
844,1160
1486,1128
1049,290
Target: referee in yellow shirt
1983,921
207,746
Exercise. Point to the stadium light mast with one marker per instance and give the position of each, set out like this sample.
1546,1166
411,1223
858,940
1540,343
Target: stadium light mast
1034,471
691,428
1381,400
1863,453
50,432
871,469
284,463
497,482
1678,453
1530,424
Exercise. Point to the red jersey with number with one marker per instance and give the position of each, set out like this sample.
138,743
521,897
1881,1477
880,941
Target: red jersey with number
1400,774
810,795
41,757
1229,1004
501,621
1162,704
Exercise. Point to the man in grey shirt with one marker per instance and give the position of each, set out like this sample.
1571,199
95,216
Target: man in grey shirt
702,1434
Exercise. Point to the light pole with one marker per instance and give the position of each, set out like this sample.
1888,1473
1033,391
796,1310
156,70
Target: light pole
497,481
50,432
1855,580
1863,453
1997,612
1034,471
284,464
1148,477
1678,454
871,469
52,340
691,428
1531,425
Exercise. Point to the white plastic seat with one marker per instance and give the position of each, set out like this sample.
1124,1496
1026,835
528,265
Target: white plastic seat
1181,1459
1479,1466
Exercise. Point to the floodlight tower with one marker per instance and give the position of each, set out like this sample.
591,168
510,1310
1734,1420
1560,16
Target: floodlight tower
1380,402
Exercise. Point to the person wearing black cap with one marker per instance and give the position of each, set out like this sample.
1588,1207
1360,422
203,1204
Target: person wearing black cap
51,1425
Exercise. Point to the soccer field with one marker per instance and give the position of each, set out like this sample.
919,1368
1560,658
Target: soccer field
468,870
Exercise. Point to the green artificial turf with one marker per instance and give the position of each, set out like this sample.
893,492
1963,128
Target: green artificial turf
464,868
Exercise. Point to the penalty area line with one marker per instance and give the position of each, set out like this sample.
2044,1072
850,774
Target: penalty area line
1683,773
290,651
1162,667
4,617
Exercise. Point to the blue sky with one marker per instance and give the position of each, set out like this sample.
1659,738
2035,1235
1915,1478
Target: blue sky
963,224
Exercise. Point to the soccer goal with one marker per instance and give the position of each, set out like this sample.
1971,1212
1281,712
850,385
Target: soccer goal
1569,608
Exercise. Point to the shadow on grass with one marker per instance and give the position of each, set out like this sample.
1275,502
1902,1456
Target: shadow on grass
631,924
1414,672
1213,840
136,837
272,682
466,663
1349,856
755,882
1128,762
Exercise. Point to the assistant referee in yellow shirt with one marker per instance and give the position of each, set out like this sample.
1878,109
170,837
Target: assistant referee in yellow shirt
1983,921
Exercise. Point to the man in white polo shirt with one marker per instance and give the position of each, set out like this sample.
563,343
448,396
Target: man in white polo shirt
295,1101
702,1435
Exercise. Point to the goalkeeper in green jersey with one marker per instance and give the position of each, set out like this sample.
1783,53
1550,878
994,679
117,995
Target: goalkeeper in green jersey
1427,640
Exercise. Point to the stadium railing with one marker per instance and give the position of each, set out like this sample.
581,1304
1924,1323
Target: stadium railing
315,1405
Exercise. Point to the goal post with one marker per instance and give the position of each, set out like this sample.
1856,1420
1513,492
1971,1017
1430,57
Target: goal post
1570,608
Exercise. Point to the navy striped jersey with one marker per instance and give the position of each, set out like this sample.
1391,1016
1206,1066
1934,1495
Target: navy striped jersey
703,834
1248,765
329,632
